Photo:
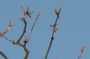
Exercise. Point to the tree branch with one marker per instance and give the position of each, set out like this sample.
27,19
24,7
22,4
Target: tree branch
81,52
3,55
35,22
53,33
2,34
25,42
24,30
18,42
26,51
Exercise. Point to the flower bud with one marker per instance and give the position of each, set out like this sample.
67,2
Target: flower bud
57,11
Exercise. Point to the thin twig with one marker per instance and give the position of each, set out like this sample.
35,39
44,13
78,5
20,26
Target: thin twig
3,55
18,42
49,47
52,38
26,51
81,52
24,30
27,13
2,34
35,22
53,33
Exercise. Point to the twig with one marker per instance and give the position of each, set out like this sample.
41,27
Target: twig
81,52
35,22
24,47
49,47
25,50
24,30
18,42
53,33
2,34
27,13
3,55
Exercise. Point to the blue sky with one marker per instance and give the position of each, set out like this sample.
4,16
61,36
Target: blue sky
73,31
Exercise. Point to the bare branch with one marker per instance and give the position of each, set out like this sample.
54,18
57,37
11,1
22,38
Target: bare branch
26,52
18,42
24,30
25,49
57,11
81,52
27,13
2,34
3,55
23,45
35,22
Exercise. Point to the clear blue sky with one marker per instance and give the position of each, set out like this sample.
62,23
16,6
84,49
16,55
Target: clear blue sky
73,31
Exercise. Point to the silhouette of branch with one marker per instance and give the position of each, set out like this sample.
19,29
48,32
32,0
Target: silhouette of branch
23,45
57,11
2,34
25,49
35,22
18,42
81,52
25,42
24,30
27,13
26,52
3,55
